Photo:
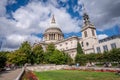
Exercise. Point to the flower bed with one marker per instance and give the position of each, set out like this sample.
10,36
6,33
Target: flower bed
93,69
29,75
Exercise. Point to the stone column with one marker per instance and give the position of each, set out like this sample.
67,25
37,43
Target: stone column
55,36
59,37
47,37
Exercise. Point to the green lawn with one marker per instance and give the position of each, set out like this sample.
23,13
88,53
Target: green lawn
76,75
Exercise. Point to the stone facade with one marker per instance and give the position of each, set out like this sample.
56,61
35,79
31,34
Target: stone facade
107,44
89,37
88,41
68,45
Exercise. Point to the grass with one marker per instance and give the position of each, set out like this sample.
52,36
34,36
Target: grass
76,75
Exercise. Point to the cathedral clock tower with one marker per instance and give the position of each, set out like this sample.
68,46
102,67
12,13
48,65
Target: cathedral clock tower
89,37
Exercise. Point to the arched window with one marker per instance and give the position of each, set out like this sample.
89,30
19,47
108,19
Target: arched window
93,32
85,33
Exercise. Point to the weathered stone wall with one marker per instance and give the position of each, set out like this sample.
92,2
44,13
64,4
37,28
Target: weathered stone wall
46,67
66,67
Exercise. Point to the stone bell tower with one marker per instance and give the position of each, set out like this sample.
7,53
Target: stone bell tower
89,37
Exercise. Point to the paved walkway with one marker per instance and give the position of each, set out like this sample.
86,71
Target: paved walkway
10,75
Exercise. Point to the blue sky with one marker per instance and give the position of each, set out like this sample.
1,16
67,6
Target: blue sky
22,20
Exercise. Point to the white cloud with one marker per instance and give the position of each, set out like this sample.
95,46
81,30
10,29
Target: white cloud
35,15
103,13
3,3
10,2
13,41
102,36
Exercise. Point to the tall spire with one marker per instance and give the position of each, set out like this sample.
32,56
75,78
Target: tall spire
53,19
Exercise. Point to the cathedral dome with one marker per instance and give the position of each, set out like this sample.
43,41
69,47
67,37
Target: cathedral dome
53,30
53,33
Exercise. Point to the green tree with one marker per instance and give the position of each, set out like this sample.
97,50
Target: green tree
49,51
91,57
38,54
17,58
99,57
3,59
68,59
26,48
114,55
79,49
50,48
79,52
81,58
55,56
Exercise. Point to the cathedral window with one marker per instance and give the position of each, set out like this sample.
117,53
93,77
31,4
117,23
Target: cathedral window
87,43
85,33
105,48
98,50
93,32
60,44
82,44
66,47
66,43
113,45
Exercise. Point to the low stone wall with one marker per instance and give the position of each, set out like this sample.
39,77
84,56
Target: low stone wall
19,77
46,67
66,67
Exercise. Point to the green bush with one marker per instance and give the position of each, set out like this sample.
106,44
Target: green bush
110,56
